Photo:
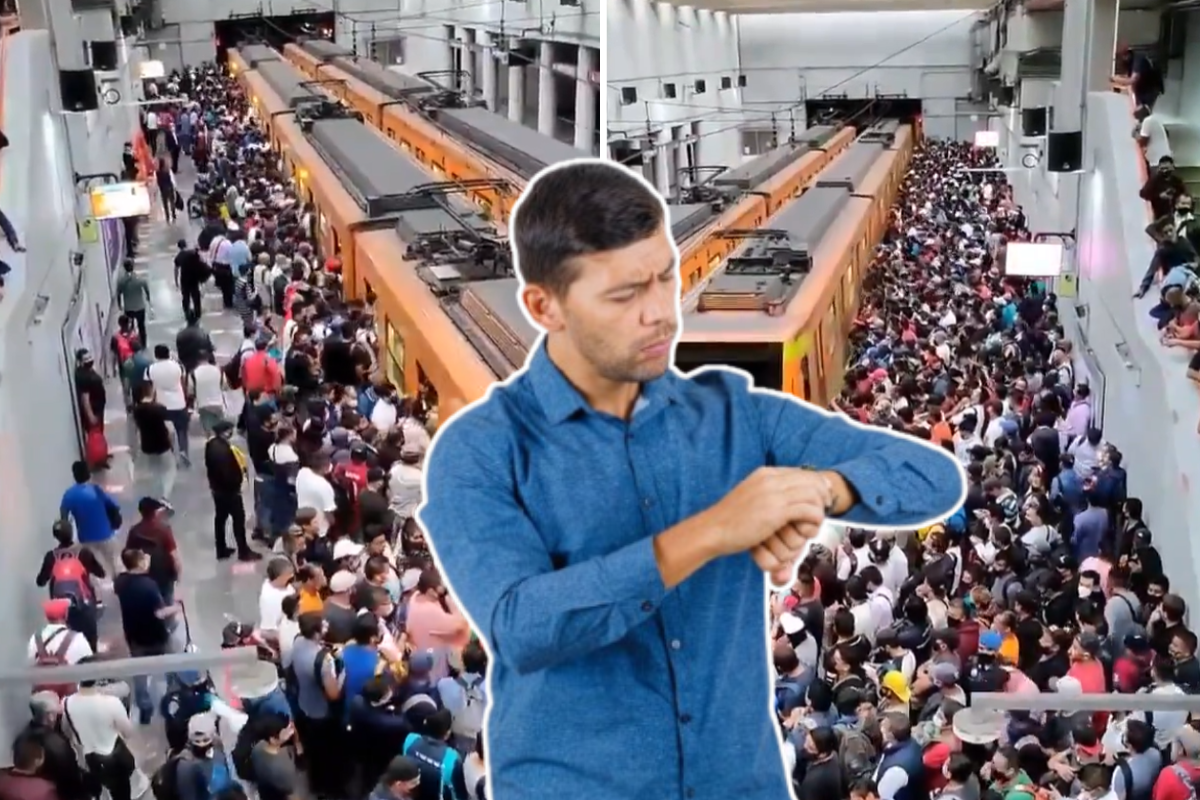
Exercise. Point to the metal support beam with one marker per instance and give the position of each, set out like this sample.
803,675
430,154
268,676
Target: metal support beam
123,668
1091,703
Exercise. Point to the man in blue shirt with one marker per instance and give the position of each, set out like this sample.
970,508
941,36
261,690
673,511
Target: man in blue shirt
93,511
606,522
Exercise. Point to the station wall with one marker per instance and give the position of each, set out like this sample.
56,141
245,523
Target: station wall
44,305
924,54
651,45
1150,409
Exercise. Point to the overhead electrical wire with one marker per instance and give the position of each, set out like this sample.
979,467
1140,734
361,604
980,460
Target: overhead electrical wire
822,93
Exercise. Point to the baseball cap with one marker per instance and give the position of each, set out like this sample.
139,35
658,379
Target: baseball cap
897,684
990,640
56,610
346,548
149,505
202,727
791,623
944,673
401,769
420,663
342,582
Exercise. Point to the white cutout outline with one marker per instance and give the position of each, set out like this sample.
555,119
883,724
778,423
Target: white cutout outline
533,350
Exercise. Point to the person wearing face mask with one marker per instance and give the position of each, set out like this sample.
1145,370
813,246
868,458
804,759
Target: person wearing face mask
802,643
961,783
226,467
401,781
1006,778
900,774
823,777
1187,668
203,770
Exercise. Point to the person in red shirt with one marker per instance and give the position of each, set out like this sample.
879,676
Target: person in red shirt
1131,671
1178,781
1087,669
260,372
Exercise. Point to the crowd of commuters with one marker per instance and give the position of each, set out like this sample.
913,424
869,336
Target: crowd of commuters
1047,579
373,684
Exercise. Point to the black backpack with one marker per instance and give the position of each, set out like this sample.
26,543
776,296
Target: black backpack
165,783
243,763
233,370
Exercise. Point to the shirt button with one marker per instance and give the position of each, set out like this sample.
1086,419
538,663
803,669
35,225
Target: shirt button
676,644
685,718
879,499
647,502
647,606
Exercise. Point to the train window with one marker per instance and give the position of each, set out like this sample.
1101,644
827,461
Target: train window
420,154
394,345
337,243
819,342
405,146
713,263
764,362
437,170
391,134
805,381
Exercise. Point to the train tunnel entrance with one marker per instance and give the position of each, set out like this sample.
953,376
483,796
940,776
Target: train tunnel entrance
861,111
273,31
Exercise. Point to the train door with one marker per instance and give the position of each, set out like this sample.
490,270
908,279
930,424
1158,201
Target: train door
393,345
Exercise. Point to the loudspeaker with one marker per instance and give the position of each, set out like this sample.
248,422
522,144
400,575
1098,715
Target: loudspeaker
1006,96
78,87
104,56
1034,121
1064,151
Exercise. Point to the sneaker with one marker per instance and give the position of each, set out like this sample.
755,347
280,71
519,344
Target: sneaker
250,555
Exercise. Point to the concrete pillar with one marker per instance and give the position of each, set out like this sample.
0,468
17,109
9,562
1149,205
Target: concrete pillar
1089,39
547,102
663,143
487,57
516,92
585,100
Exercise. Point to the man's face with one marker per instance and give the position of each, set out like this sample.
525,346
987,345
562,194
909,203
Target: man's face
621,313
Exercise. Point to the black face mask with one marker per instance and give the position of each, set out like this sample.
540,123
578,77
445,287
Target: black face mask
203,751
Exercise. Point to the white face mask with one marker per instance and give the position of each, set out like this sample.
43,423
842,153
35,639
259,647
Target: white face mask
1085,592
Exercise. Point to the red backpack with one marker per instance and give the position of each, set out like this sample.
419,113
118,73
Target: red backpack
124,342
69,579
45,657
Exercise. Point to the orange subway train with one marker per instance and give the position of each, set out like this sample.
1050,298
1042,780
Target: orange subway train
783,305
415,242
456,140
476,144
743,198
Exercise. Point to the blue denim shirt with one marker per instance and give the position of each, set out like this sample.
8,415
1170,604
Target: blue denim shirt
542,514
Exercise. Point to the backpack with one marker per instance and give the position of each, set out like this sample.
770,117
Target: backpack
856,754
469,721
243,748
45,657
233,370
1189,784
788,694
177,709
69,579
278,289
164,785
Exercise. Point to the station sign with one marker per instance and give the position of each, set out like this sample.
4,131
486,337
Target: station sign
119,200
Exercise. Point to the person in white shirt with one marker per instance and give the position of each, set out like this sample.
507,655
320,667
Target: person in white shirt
385,414
858,599
966,440
404,485
313,490
166,376
208,391
99,726
416,438
1151,134
276,587
56,639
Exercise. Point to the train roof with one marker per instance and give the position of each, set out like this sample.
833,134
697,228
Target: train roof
386,81
766,166
765,273
849,169
489,315
323,49
884,131
291,85
255,54
518,147
687,218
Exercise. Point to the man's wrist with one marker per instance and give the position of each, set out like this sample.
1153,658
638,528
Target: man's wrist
843,494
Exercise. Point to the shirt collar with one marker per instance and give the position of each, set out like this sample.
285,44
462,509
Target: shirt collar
560,400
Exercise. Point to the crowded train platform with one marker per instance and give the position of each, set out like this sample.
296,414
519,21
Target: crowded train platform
371,683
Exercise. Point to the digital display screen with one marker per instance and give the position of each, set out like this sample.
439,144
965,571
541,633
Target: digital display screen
1033,259
985,139
763,361
116,200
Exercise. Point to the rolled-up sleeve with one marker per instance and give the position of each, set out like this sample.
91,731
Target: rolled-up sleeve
532,615
900,481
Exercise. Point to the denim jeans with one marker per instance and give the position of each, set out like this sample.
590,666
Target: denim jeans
180,419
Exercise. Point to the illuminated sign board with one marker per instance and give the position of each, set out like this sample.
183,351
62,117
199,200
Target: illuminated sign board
1033,259
116,200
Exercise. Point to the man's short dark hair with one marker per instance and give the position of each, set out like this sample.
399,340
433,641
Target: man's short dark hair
576,210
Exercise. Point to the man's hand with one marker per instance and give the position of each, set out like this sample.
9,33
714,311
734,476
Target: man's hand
764,504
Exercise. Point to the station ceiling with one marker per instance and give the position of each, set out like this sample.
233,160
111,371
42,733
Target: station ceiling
830,6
